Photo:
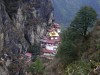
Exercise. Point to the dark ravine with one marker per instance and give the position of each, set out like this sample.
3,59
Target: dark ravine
22,23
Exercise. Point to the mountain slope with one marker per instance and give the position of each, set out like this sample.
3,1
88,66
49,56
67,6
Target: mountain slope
65,10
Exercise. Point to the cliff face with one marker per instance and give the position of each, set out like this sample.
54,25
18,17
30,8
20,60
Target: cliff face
23,23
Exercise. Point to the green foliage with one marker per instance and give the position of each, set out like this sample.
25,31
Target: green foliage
74,42
72,37
85,18
98,46
78,68
36,67
95,56
66,50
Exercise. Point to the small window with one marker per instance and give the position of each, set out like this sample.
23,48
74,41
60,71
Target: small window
52,38
56,38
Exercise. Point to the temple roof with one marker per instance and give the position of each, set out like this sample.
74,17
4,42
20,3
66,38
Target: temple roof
54,33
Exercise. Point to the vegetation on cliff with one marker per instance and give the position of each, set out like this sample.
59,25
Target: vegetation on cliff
36,67
74,35
75,49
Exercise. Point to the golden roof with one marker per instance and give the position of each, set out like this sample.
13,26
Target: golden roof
54,33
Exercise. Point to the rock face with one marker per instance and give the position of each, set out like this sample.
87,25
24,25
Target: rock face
23,23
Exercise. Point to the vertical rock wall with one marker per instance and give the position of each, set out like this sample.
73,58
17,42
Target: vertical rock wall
22,23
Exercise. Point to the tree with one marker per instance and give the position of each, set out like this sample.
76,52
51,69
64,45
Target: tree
37,67
66,51
84,19
72,44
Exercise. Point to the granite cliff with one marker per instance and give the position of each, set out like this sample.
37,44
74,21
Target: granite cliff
22,23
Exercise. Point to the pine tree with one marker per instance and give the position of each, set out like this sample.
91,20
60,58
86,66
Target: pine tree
36,67
66,51
72,37
84,19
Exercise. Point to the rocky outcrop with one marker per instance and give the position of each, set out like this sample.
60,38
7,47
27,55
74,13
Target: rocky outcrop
23,23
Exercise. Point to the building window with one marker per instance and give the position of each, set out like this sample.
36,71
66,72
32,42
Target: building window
56,38
52,38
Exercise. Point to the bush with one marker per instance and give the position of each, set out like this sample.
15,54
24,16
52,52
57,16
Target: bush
78,68
36,67
98,46
95,56
66,51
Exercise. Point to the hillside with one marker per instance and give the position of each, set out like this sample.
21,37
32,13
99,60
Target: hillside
31,43
65,10
89,62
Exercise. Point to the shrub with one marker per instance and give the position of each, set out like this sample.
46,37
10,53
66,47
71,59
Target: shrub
36,67
78,68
